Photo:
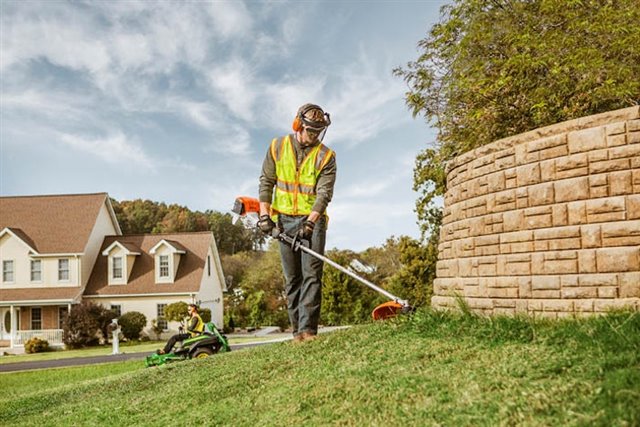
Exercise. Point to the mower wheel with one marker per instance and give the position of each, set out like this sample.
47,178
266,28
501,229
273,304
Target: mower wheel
201,353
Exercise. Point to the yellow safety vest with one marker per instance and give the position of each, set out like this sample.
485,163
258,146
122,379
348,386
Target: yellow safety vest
295,192
199,326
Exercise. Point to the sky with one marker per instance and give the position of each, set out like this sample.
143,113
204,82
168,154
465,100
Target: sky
177,102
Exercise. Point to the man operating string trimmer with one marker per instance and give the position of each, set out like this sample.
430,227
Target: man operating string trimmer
296,185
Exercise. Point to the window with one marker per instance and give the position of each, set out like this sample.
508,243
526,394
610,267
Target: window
117,309
62,314
36,319
7,271
36,270
209,265
63,269
164,265
117,267
162,322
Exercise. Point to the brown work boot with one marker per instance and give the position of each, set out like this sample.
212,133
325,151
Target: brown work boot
308,336
298,338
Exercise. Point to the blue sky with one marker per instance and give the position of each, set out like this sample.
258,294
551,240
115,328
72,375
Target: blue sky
177,101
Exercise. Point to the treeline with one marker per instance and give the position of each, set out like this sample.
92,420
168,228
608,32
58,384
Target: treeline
253,271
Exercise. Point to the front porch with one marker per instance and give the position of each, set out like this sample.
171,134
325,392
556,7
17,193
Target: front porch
21,323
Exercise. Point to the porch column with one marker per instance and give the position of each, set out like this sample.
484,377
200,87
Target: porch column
12,332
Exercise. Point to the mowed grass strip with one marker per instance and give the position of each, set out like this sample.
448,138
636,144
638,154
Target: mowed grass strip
432,368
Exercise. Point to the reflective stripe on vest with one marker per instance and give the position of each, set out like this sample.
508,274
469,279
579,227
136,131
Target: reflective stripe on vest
295,192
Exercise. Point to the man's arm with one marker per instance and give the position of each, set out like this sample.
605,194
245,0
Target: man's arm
324,189
267,182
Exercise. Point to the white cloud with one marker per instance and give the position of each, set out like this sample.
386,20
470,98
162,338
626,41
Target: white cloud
230,18
114,149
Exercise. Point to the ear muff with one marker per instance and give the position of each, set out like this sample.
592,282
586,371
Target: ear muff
297,124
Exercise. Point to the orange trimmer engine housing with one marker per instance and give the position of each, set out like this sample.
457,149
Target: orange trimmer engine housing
245,205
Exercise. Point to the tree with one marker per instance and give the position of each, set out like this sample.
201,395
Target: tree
495,68
232,238
177,311
131,324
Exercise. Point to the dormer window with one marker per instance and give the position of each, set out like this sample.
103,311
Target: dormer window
167,255
120,259
63,270
36,270
117,267
164,265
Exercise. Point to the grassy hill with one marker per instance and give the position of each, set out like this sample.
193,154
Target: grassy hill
433,368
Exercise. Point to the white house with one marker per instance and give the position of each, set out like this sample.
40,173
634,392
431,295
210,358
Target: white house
56,251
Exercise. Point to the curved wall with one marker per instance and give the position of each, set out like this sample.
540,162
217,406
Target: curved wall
545,222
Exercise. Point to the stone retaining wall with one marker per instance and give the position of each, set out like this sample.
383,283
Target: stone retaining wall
546,222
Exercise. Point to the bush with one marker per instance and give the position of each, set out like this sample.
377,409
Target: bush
81,325
36,345
131,324
177,311
205,314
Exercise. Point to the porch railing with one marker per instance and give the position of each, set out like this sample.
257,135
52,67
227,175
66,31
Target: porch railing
53,336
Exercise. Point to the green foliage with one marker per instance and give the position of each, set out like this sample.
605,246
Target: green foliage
177,311
205,315
82,324
132,324
432,368
36,345
491,69
145,216
156,328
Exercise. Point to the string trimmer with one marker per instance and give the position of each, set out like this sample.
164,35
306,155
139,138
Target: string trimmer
248,209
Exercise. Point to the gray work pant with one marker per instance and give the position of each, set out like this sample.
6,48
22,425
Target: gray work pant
303,275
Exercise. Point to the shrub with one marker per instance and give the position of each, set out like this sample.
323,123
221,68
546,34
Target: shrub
157,328
131,324
205,314
177,311
81,325
36,345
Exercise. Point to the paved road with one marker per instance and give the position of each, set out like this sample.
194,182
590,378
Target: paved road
92,360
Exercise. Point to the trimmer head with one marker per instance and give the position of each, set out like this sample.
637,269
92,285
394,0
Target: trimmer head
390,309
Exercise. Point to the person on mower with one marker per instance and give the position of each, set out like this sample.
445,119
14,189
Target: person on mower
296,185
195,326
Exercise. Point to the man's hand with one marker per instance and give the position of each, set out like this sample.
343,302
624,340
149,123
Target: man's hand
305,231
266,224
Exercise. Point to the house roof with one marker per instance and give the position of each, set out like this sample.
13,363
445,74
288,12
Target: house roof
53,224
128,247
142,278
22,236
34,295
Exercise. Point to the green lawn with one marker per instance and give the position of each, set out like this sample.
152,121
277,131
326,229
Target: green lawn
432,369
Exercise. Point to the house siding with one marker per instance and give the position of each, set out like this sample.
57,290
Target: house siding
103,227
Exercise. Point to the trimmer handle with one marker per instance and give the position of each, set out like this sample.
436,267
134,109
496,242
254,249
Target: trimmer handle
294,241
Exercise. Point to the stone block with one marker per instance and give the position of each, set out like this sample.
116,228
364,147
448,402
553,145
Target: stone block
542,194
585,306
633,125
607,292
630,285
565,262
514,265
523,156
597,280
496,182
633,138
557,305
447,268
535,305
625,233
620,183
539,283
568,190
605,210
616,128
524,287
618,259
616,140
480,303
625,152
548,170
577,212
513,221
579,293
603,306
466,268
554,152
598,155
528,174
559,216
591,236
538,217
503,293
487,266
586,140
587,261
572,166
545,294
568,280
521,247
609,166
506,162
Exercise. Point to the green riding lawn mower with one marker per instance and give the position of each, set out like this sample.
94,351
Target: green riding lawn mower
209,342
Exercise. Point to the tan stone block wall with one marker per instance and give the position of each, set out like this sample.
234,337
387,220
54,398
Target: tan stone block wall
545,222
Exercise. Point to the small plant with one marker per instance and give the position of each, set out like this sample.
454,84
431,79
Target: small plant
156,328
36,345
131,324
